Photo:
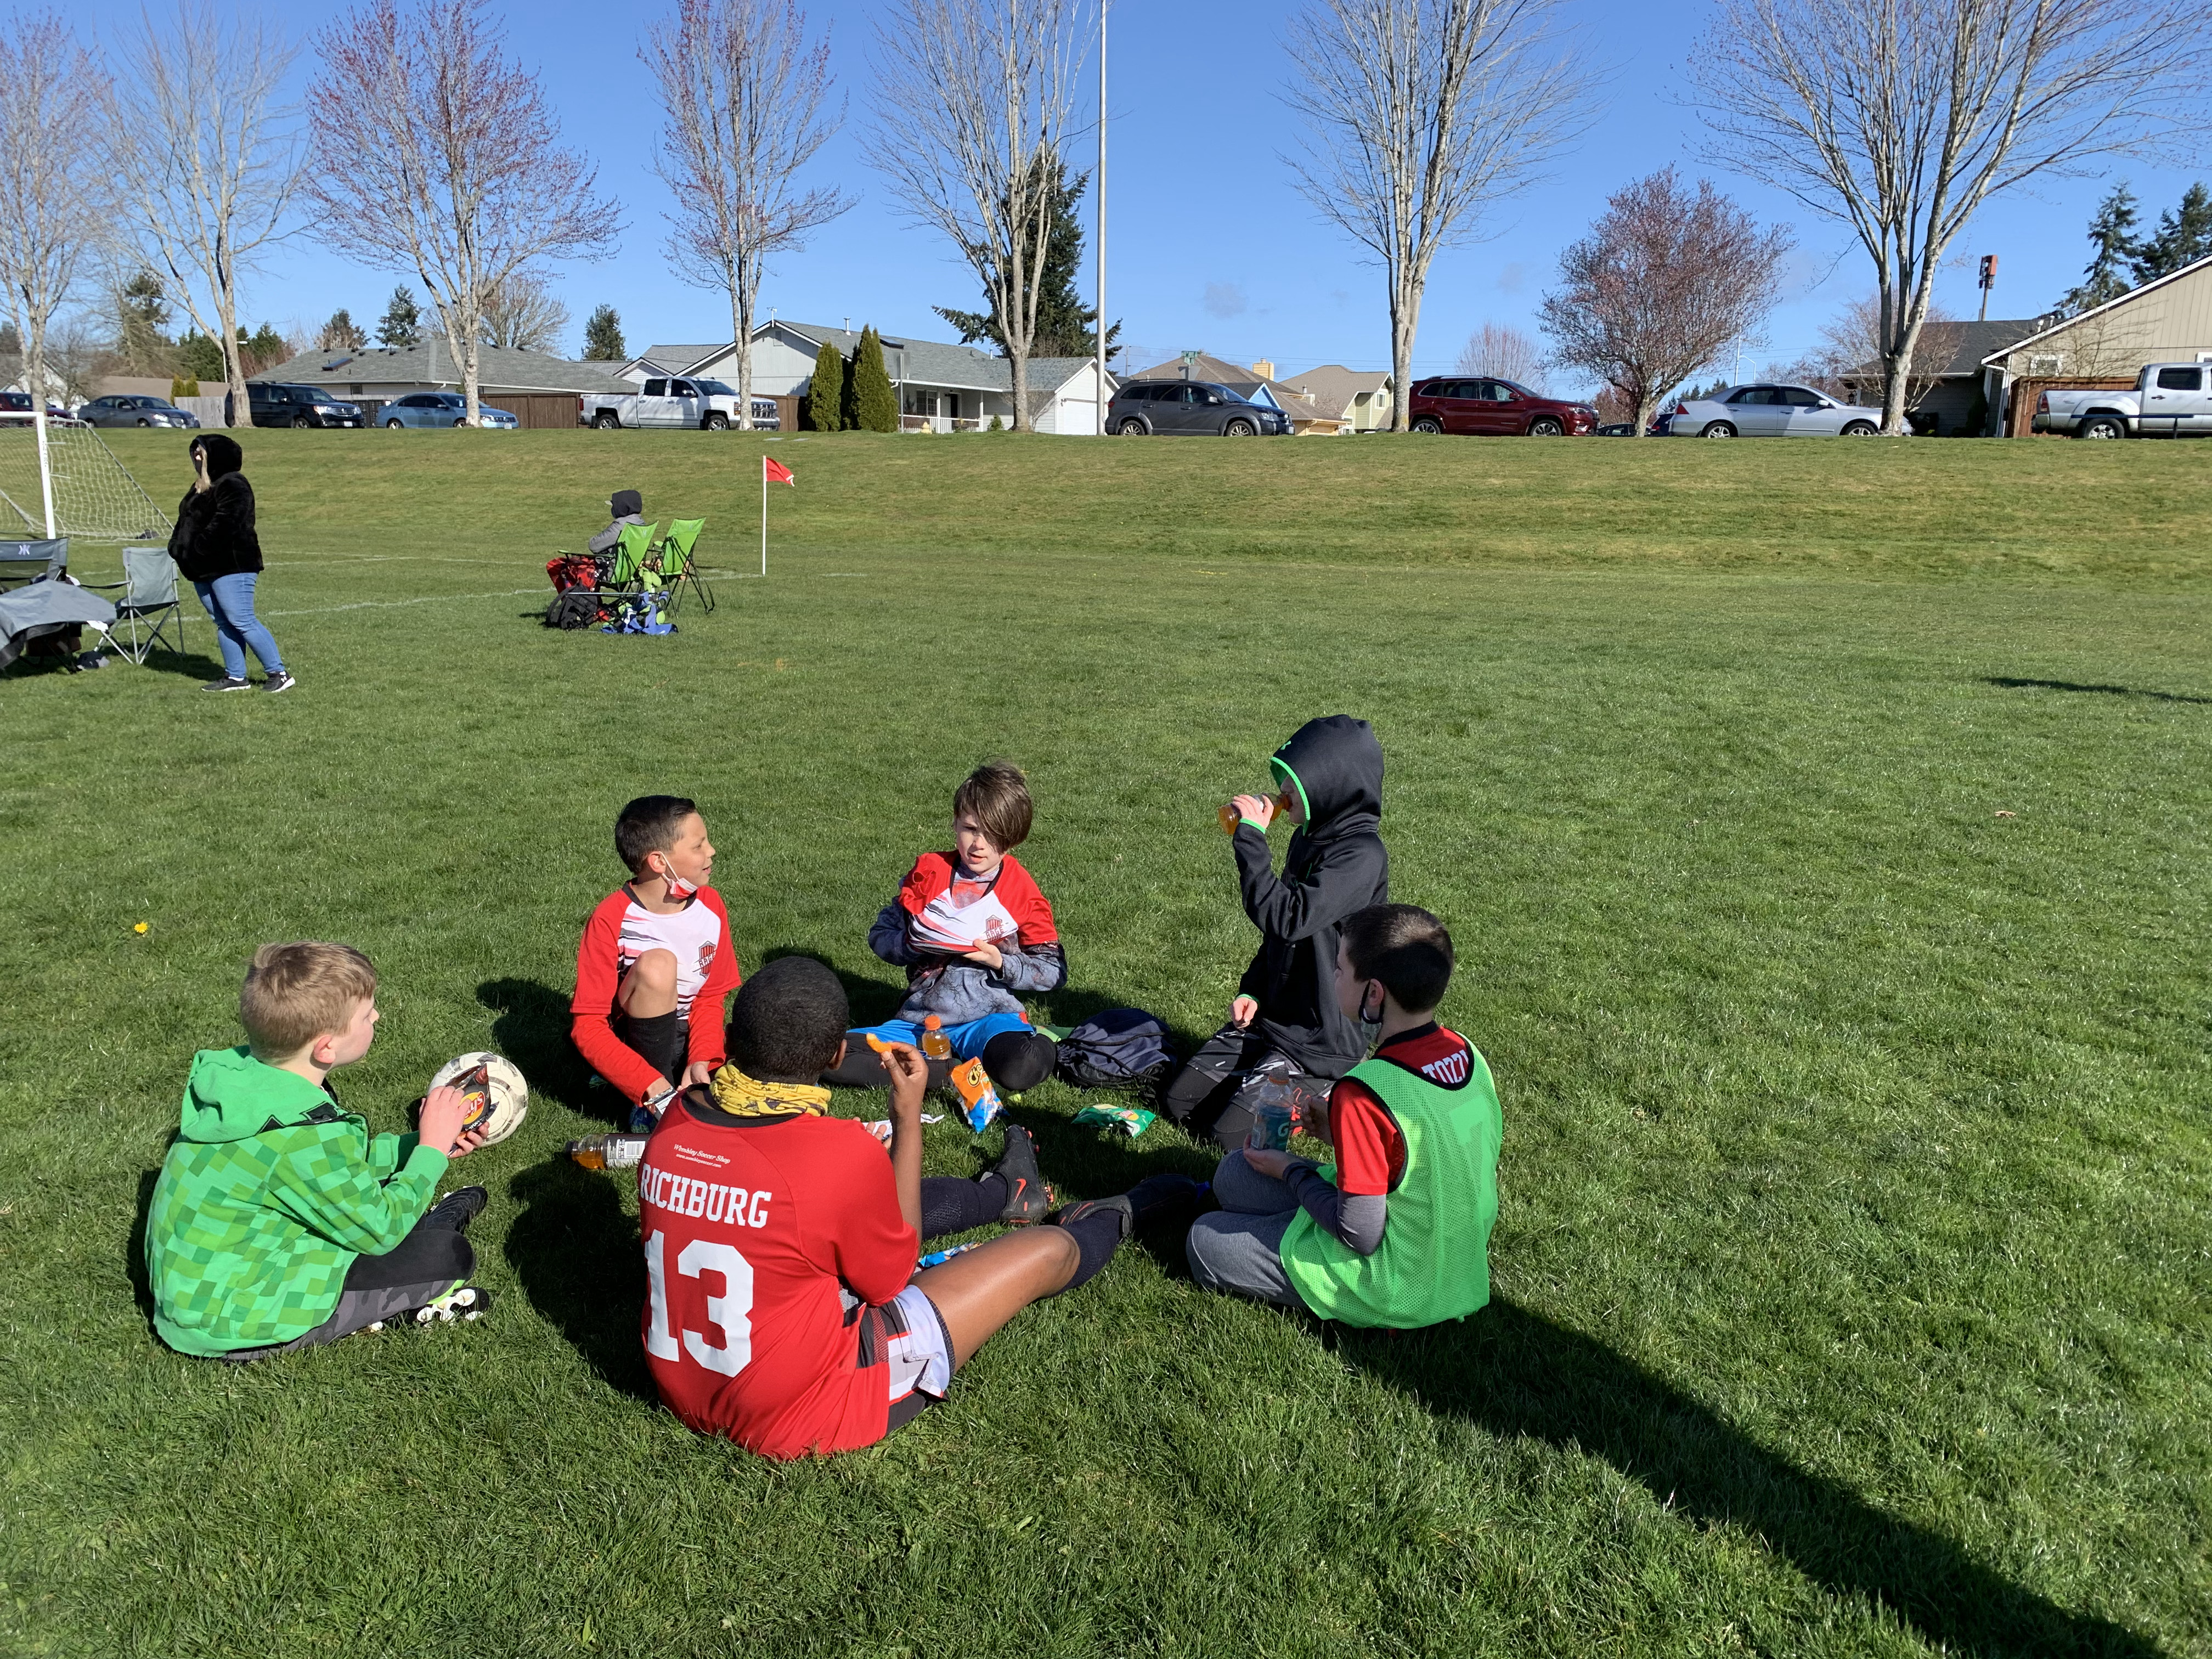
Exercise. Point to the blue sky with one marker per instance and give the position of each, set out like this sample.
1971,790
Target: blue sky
1209,244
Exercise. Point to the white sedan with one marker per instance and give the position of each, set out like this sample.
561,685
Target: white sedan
1770,411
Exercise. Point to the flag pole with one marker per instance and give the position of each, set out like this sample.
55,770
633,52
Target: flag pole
763,515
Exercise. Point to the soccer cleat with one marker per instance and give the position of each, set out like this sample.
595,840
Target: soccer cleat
1029,1197
1068,1215
463,1302
229,682
279,681
456,1209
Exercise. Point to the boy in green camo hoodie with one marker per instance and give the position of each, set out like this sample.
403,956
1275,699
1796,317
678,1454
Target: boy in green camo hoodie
278,1221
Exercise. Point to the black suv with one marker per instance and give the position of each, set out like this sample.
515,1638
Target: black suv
1146,409
276,403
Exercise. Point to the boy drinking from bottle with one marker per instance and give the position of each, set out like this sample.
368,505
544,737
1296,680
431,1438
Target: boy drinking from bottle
278,1221
1397,1231
1285,1037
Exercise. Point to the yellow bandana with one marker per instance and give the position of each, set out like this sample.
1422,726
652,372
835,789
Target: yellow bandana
741,1097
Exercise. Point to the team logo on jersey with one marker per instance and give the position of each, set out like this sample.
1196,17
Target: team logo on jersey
1451,1071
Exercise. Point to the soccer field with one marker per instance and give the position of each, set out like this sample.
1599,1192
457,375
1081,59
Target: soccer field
1826,833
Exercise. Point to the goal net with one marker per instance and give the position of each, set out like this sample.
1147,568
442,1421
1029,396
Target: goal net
66,476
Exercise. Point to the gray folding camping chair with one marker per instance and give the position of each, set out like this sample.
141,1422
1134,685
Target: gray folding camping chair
149,608
32,562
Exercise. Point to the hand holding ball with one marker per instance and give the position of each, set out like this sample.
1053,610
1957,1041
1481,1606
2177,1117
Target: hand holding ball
495,1098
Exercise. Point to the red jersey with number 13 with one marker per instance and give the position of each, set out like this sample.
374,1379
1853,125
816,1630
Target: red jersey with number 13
753,1229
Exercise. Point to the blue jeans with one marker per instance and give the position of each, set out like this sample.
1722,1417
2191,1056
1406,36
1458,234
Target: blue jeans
229,603
967,1039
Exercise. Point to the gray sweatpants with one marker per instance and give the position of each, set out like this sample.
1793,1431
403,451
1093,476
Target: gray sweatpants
1239,1247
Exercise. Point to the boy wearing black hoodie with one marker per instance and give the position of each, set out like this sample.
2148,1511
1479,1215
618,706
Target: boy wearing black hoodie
1284,1028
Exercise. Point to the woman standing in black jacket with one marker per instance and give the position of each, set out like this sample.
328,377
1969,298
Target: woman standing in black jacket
216,549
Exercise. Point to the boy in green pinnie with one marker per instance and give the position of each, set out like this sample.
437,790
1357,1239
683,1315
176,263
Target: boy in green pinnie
278,1221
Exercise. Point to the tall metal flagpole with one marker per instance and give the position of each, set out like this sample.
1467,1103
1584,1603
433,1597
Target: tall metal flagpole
1099,210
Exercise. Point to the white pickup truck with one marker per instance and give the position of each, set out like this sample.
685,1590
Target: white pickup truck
708,404
2170,400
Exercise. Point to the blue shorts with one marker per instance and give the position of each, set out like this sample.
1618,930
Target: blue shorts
968,1039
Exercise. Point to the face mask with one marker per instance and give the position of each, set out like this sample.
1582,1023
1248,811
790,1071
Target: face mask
1371,1024
679,888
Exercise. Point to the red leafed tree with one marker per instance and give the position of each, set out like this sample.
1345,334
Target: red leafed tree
1666,278
435,154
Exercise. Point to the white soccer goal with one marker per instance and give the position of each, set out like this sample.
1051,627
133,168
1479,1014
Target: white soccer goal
65,481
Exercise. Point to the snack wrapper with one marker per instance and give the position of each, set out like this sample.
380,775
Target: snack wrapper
1134,1118
978,1098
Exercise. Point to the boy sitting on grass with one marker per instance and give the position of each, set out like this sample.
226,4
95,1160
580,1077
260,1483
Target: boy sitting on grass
278,1221
970,928
655,965
1396,1232
782,1306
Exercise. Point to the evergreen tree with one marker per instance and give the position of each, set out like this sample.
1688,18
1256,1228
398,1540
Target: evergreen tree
199,357
1066,327
141,312
402,323
341,333
825,394
2185,236
2111,235
875,403
262,350
603,337
180,388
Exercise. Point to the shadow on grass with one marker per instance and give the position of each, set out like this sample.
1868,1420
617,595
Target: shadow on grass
575,1254
2010,684
531,1028
134,1252
1517,1374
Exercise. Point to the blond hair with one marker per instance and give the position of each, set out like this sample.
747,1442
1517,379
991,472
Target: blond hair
997,794
296,992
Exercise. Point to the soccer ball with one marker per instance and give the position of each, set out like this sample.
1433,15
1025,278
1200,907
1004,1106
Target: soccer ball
499,1099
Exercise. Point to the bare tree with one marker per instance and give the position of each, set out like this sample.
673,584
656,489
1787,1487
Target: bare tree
435,154
1495,348
744,93
1901,119
1667,279
49,214
1419,114
972,109
1849,363
523,315
202,160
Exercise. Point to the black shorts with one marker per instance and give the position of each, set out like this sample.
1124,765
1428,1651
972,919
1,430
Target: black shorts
907,1337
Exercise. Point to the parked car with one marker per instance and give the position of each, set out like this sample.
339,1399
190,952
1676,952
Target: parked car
276,403
135,411
1617,429
1490,408
708,405
442,409
1770,411
16,405
1153,409
2170,400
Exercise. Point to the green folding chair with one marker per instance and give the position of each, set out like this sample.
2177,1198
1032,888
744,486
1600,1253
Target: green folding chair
679,562
634,570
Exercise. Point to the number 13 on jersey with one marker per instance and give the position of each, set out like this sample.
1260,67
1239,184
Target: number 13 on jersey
731,1312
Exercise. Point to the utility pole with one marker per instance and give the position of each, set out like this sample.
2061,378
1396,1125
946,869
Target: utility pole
1988,281
1098,212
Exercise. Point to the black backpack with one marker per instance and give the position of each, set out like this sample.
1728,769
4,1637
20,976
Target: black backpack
1120,1048
577,608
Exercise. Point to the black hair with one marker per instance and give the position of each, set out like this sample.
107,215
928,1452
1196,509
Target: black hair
1402,948
786,1021
648,825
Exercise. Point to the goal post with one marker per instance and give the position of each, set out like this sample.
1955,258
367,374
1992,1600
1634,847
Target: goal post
65,481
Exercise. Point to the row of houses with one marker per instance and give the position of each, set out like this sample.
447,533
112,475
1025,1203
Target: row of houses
1983,378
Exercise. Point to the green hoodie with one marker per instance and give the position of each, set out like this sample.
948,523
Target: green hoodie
267,1195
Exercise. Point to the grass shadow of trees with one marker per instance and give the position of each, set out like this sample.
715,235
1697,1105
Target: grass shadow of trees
1516,1373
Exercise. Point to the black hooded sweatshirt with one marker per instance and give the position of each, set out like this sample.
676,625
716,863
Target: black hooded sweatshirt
214,535
1336,865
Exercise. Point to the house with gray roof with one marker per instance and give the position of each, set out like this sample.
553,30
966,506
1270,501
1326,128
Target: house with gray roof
541,391
940,387
1949,363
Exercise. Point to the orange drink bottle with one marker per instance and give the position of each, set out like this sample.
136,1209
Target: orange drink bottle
935,1043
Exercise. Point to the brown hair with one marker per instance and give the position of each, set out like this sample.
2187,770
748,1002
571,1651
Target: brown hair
1402,948
997,794
295,994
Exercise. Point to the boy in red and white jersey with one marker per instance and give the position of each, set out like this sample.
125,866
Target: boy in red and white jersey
783,1309
655,966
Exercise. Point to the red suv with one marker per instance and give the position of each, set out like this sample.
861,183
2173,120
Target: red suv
1490,408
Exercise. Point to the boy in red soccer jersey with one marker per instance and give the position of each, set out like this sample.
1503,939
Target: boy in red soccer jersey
1396,1232
783,1309
655,965
971,929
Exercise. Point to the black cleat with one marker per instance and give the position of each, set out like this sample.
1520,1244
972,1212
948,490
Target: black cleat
1069,1214
456,1209
1028,1198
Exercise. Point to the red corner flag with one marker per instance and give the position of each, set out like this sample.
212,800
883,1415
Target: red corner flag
774,471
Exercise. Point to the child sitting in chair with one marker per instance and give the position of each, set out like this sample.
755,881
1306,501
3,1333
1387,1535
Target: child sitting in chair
628,507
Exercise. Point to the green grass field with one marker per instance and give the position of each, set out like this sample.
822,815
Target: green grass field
1825,830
